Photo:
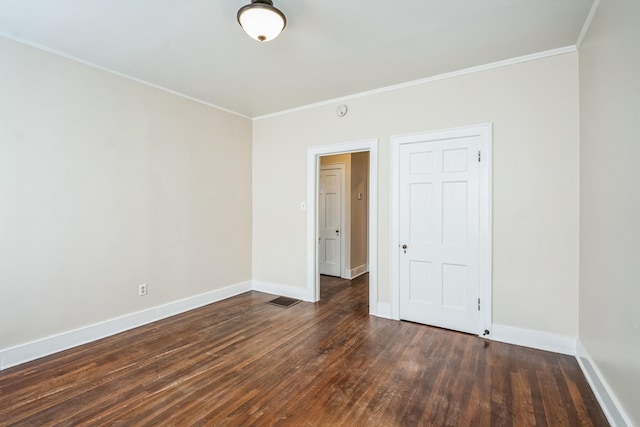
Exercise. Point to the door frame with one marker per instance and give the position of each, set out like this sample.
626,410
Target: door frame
484,131
313,172
344,228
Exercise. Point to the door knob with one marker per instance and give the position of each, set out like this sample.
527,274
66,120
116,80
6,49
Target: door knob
404,248
337,232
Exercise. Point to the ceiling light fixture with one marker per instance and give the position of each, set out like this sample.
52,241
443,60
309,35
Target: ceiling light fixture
261,20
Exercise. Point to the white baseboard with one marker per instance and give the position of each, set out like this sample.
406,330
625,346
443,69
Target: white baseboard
282,290
610,405
355,272
535,339
23,353
383,310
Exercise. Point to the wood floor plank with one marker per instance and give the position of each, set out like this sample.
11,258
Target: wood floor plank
552,399
523,411
243,362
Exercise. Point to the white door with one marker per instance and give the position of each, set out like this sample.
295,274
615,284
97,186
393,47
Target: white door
439,233
329,220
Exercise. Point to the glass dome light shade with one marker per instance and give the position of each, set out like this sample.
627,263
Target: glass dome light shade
261,21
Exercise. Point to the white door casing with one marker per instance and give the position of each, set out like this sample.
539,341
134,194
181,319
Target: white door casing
330,227
441,228
313,168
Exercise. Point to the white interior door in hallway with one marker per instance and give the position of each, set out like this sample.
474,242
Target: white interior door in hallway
330,220
439,232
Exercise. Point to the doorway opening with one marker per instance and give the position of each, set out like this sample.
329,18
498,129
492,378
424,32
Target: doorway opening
342,218
333,222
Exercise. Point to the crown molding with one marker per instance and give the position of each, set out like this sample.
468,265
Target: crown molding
117,73
465,71
587,23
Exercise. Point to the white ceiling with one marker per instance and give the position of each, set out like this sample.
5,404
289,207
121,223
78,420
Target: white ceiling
330,48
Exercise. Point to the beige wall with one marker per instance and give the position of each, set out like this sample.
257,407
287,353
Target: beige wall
359,185
534,109
610,198
105,184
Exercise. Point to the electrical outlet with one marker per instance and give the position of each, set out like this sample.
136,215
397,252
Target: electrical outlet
142,289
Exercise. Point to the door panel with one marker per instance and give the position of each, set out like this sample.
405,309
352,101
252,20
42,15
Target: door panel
439,224
329,221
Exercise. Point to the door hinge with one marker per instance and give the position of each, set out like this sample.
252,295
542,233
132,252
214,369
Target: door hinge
478,304
479,155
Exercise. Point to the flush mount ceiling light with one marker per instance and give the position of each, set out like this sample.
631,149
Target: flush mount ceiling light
261,20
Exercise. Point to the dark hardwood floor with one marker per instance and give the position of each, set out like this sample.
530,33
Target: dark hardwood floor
242,362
